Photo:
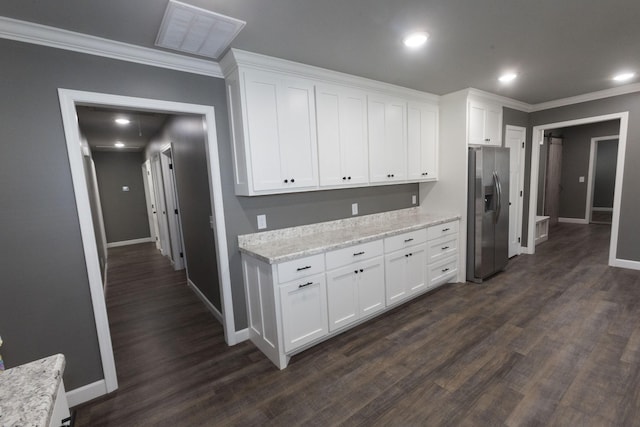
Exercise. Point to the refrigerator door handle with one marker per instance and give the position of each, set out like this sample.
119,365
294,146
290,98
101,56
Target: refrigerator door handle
498,185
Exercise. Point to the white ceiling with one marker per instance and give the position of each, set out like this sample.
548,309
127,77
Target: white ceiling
561,48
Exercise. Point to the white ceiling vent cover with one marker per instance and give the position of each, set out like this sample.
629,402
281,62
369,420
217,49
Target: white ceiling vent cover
198,31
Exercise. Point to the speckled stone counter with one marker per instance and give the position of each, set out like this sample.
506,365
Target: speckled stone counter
296,242
28,392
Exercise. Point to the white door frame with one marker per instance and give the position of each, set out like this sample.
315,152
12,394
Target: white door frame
593,159
68,101
520,202
171,203
152,205
158,186
537,137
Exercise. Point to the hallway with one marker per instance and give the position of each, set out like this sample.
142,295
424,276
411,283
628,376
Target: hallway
553,340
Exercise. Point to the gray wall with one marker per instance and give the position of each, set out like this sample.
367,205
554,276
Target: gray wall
629,233
192,181
576,147
605,174
124,212
45,306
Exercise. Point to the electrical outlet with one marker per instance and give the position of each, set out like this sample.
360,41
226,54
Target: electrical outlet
262,222
581,179
413,199
354,209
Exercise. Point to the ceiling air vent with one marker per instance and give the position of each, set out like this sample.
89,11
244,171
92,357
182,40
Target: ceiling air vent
198,31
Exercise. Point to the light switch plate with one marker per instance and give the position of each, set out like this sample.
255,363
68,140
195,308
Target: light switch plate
413,199
125,188
354,209
581,179
262,222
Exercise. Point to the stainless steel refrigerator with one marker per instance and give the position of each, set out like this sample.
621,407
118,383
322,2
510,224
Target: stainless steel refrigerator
488,212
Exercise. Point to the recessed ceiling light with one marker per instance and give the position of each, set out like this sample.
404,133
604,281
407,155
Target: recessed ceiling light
118,144
508,77
122,121
414,40
623,77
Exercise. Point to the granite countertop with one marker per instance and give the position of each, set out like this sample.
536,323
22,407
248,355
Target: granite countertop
297,242
28,392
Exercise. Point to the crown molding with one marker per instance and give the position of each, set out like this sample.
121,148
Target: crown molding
29,32
506,102
236,57
593,96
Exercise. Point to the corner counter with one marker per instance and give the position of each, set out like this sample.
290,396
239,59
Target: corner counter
33,394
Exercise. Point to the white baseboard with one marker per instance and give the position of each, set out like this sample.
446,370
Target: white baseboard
212,308
625,263
129,242
573,220
86,393
242,335
601,209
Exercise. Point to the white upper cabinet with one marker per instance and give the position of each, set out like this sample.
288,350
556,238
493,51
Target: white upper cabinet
422,142
274,133
300,128
485,123
342,136
387,139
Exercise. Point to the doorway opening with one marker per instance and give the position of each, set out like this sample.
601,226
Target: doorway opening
538,140
602,171
69,101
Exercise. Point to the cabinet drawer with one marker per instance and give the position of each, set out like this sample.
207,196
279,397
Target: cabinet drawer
442,248
443,271
354,253
395,243
440,230
298,268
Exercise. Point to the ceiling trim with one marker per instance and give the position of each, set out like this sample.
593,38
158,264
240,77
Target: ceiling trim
593,96
29,32
236,57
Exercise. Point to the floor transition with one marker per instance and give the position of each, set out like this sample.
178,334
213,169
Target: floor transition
553,340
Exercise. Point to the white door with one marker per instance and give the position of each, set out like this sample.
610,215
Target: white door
161,208
515,141
152,209
172,211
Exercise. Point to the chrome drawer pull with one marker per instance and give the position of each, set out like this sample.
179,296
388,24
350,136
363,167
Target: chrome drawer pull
408,240
306,284
358,253
303,268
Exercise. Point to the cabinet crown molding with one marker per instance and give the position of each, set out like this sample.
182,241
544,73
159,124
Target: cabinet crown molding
239,58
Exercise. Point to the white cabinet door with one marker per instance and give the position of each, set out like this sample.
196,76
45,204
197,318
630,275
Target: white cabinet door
304,311
371,287
355,291
422,141
395,266
297,125
342,296
387,139
342,136
280,123
417,269
485,122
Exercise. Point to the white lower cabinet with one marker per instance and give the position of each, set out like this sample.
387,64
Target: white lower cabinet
355,291
304,311
295,304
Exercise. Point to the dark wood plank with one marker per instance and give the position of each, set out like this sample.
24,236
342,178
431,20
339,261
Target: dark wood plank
553,340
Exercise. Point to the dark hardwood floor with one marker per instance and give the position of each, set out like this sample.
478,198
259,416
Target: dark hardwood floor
553,340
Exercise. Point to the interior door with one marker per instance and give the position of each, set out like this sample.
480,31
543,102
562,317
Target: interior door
163,229
152,209
515,140
554,171
172,210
